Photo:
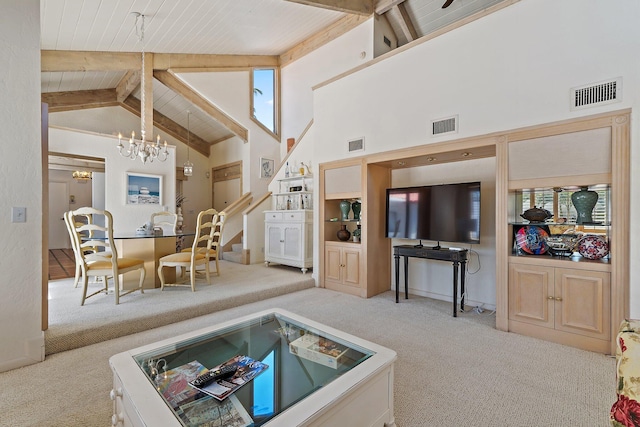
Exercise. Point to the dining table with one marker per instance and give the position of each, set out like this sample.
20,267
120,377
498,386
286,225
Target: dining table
150,248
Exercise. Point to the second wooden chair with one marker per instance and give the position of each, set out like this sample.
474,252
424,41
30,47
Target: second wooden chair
200,253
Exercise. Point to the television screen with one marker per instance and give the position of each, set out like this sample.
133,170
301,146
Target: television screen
448,212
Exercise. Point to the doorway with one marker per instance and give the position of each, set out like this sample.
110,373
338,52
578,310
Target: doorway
58,205
226,185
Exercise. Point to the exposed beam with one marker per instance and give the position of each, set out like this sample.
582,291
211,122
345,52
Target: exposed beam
359,7
321,38
66,60
127,84
165,61
406,25
179,87
383,6
146,95
79,100
165,124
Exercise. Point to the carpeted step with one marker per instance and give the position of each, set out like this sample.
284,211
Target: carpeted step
236,247
233,257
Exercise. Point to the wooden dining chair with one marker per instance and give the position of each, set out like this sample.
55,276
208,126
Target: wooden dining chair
98,254
166,220
199,254
216,245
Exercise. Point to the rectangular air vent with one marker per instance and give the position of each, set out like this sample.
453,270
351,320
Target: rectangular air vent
356,145
596,94
446,125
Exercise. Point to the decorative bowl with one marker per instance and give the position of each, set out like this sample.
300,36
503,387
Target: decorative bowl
593,246
536,214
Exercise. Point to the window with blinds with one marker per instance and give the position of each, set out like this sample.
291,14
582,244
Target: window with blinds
560,205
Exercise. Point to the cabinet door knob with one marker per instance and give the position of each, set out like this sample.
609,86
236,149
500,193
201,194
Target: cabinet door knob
115,393
550,297
558,298
116,419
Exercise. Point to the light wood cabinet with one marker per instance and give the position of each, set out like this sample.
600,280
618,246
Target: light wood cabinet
289,238
347,266
565,305
342,267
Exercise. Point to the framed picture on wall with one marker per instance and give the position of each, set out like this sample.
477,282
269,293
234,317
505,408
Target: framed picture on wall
266,167
144,189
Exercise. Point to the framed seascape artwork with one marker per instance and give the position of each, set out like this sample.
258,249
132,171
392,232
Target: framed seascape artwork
143,189
266,167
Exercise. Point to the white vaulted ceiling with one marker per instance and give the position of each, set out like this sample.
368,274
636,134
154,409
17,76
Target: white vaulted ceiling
226,27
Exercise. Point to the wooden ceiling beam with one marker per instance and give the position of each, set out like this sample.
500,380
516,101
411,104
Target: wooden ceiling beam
72,60
333,31
178,86
166,61
383,6
165,124
127,84
406,24
79,100
67,60
358,7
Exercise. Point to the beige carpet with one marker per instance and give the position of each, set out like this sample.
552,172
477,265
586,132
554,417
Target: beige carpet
72,325
449,372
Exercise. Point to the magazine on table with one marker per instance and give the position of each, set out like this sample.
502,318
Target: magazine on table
174,384
246,370
194,407
209,412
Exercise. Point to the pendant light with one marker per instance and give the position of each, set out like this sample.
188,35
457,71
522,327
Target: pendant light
187,168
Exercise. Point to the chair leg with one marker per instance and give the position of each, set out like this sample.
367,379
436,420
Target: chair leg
116,285
143,274
85,285
76,280
193,279
161,276
206,272
217,267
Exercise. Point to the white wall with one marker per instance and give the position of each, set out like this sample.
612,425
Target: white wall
511,69
126,218
20,185
298,77
433,279
230,92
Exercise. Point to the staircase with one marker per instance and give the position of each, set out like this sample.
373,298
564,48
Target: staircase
235,255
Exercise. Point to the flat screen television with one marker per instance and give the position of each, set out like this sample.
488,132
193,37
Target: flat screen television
447,212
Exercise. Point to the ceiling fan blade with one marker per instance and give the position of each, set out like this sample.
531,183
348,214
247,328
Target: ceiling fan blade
447,4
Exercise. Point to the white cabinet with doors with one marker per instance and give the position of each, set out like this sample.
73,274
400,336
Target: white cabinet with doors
288,238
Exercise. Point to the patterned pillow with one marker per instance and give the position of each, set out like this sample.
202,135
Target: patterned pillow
626,411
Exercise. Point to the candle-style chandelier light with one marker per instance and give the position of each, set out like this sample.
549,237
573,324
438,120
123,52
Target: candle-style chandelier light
145,149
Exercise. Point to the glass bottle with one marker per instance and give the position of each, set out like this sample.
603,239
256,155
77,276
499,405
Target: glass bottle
286,170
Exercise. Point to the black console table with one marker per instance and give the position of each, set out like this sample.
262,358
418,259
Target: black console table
457,257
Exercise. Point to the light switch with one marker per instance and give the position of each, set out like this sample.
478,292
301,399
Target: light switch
18,214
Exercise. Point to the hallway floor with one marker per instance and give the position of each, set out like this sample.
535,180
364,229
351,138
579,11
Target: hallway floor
62,264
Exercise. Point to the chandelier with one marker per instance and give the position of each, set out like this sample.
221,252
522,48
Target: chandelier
145,150
82,176
187,168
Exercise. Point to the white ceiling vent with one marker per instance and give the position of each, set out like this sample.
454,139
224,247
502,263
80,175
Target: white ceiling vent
596,94
356,144
443,126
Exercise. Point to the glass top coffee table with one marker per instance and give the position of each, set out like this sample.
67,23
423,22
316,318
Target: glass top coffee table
315,376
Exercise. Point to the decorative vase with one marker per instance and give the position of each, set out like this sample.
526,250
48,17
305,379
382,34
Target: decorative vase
345,207
355,207
584,202
343,233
